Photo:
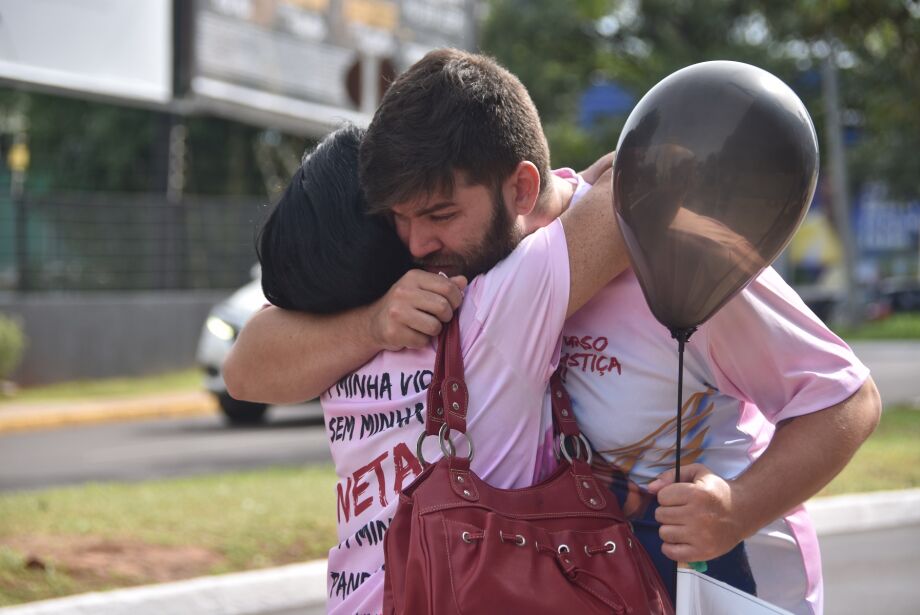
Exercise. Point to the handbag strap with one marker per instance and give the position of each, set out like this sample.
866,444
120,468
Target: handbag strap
564,422
448,401
565,426
448,397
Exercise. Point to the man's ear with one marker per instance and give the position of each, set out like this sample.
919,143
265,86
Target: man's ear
522,188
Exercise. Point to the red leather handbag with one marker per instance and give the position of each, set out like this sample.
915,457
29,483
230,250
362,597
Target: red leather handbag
458,545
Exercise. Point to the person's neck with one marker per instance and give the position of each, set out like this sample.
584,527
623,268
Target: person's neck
554,200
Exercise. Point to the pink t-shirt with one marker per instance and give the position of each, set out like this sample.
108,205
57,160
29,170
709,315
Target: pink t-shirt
510,325
764,357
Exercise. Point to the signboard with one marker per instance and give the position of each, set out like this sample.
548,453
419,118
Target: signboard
885,224
307,65
108,48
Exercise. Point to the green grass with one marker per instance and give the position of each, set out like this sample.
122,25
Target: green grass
266,518
247,520
889,459
903,326
185,380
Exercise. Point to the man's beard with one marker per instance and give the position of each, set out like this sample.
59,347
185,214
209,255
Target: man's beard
498,242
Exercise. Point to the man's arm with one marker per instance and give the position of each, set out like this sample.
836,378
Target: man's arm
287,357
597,252
707,516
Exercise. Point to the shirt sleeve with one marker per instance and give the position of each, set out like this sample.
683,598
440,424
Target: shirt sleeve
520,304
766,347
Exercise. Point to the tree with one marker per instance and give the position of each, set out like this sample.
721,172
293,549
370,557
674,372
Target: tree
553,47
558,48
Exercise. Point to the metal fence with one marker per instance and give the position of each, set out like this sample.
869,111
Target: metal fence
87,242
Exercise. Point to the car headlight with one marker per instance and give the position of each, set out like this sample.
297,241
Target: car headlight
220,328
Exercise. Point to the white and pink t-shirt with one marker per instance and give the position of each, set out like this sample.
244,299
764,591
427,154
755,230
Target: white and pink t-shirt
764,357
510,325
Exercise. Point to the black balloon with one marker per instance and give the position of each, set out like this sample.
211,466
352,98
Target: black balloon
714,171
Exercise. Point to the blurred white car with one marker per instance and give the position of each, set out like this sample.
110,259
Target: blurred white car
220,330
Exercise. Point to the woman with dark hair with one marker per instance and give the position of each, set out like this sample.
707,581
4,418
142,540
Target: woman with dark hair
319,249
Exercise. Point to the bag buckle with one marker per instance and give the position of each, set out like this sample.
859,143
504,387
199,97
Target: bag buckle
446,444
578,439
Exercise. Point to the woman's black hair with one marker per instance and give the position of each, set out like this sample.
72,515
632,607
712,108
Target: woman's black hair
320,250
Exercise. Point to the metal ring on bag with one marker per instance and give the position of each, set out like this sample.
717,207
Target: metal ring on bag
612,547
563,549
418,448
581,439
465,537
445,442
556,452
520,540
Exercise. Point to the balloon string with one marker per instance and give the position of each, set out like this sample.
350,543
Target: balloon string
682,336
680,421
680,405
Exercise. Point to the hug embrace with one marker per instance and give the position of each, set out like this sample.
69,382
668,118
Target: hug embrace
498,396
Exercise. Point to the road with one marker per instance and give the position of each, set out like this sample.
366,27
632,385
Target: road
872,572
294,435
138,450
895,368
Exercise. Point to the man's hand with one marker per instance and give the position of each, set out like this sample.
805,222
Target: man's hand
286,357
600,166
699,520
707,516
414,309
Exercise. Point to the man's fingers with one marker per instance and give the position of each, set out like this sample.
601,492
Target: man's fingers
592,173
663,480
423,323
676,494
672,515
436,305
688,474
414,309
692,472
674,534
413,304
408,327
438,284
416,333
414,339
681,552
460,281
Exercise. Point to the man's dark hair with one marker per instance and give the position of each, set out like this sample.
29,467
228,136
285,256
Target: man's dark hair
451,110
320,250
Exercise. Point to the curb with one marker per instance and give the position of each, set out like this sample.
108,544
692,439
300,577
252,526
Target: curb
844,514
302,587
25,417
298,586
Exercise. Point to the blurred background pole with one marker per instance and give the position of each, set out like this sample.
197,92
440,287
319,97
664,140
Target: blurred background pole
840,201
370,79
169,180
18,161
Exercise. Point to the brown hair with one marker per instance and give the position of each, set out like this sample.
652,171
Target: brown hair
452,110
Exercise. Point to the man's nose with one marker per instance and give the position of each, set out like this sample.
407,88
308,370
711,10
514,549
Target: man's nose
421,242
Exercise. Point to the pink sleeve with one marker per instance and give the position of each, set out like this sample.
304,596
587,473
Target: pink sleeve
520,304
768,348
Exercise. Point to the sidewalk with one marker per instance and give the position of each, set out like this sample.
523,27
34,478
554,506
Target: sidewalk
31,415
301,588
